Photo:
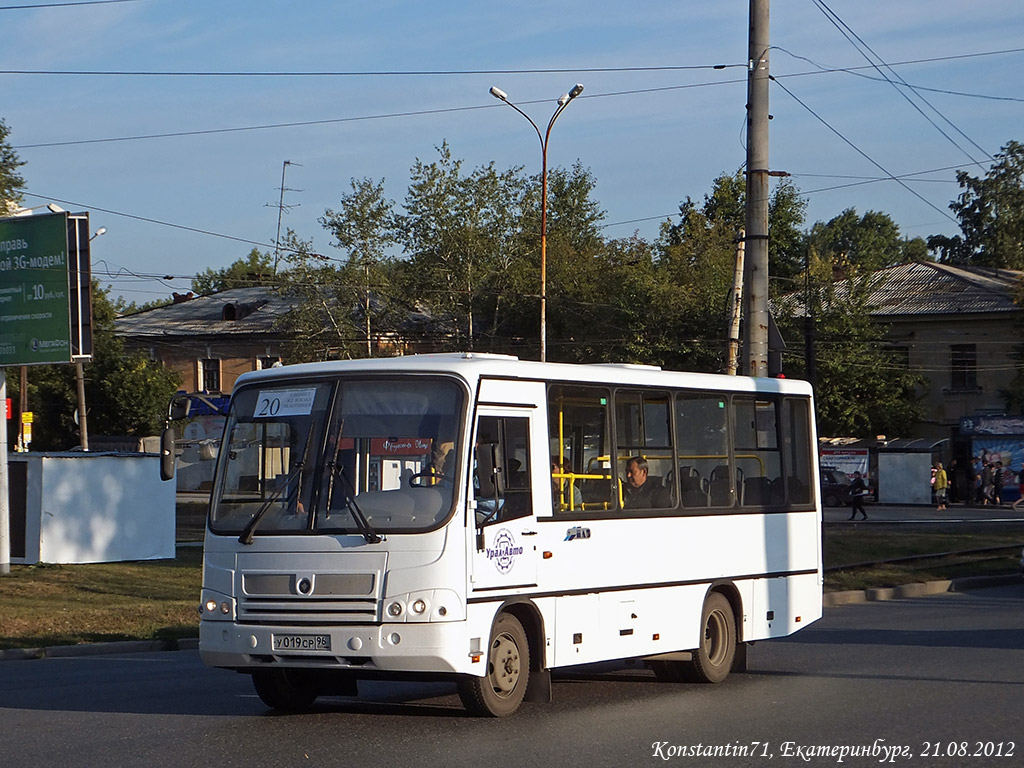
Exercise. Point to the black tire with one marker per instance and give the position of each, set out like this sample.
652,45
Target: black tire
713,658
289,690
501,690
833,501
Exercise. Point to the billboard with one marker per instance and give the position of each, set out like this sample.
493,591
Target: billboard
45,306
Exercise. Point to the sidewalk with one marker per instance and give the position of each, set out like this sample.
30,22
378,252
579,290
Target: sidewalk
916,513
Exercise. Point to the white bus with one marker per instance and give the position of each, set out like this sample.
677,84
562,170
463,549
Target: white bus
485,519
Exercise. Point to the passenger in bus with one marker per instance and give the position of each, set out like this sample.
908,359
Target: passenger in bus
642,491
441,460
560,489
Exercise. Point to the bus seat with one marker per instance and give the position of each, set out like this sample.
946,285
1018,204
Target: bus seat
757,491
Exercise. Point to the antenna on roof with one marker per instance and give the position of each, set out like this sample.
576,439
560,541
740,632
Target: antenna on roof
281,208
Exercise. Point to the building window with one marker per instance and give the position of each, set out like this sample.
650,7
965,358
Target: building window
209,375
963,365
263,363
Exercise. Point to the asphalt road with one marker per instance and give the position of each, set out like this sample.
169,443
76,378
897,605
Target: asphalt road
937,674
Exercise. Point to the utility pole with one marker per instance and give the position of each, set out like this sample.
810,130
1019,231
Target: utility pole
736,309
756,263
5,510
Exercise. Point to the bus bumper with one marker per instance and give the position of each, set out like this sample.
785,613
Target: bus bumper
427,647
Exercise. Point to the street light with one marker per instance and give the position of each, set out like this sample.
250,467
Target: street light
563,102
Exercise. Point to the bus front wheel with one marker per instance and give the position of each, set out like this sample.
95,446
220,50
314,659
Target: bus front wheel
712,659
289,690
501,690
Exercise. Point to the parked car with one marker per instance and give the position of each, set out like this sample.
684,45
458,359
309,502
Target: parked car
835,487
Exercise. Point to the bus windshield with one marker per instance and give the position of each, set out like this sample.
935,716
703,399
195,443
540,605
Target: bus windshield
350,456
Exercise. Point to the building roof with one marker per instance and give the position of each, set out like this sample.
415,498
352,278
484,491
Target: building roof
922,289
237,311
930,288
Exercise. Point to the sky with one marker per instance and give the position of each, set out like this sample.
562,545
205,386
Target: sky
162,118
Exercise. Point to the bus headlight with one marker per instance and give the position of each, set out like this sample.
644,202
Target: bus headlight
216,607
423,606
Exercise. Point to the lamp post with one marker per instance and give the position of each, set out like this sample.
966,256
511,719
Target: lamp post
563,102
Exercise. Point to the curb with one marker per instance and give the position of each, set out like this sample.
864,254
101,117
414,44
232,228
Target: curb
916,589
99,649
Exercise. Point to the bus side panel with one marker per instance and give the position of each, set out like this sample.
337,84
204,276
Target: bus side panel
781,606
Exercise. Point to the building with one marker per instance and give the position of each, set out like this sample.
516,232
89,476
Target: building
958,327
211,340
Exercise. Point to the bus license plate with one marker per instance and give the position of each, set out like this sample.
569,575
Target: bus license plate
302,642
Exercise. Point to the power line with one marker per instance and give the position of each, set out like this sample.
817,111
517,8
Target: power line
61,5
359,118
358,73
858,43
822,69
451,110
466,72
864,154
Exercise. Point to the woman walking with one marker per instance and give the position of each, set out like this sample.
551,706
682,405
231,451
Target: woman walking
941,486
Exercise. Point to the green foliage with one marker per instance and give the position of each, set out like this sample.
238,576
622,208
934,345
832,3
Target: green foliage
869,242
11,182
991,213
255,269
321,325
725,207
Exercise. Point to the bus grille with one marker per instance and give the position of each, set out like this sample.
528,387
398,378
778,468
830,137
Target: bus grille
317,599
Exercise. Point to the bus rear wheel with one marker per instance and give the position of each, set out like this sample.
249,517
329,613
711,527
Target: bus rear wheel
501,690
289,690
713,658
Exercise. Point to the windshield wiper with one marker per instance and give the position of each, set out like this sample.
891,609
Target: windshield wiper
362,524
247,532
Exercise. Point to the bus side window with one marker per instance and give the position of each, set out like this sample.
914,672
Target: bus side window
502,477
579,436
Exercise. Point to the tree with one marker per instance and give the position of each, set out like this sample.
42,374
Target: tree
365,227
255,269
126,393
991,213
725,207
458,232
11,182
869,242
862,388
321,326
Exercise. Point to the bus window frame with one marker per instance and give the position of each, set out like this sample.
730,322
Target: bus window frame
463,430
678,510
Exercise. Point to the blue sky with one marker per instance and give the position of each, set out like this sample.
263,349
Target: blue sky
650,136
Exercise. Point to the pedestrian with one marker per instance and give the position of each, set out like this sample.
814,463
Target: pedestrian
941,486
986,484
975,476
1020,489
998,481
858,490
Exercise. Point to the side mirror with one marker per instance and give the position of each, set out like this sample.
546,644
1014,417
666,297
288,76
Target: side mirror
167,454
179,408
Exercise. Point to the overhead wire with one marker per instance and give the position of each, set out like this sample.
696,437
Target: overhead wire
864,154
61,5
858,43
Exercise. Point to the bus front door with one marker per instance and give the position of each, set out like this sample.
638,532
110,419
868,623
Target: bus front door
505,533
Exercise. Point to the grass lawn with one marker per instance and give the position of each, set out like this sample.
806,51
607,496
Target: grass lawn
856,545
70,604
